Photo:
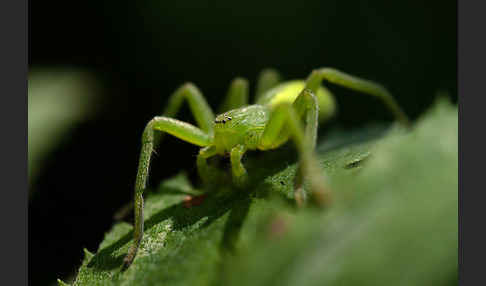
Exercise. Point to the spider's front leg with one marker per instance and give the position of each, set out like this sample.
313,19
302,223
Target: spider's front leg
204,117
240,175
209,174
286,121
179,129
237,95
206,172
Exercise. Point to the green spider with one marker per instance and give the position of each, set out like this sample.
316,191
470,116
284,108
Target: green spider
283,111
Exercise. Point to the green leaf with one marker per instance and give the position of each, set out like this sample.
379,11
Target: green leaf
393,220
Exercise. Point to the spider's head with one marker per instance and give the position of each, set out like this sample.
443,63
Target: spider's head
221,120
232,127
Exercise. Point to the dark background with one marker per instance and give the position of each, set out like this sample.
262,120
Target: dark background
141,51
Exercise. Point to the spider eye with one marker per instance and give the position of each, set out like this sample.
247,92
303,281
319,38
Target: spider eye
224,120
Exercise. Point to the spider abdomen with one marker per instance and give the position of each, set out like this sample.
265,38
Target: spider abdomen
288,92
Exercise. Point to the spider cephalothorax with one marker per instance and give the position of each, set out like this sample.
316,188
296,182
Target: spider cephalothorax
282,111
240,126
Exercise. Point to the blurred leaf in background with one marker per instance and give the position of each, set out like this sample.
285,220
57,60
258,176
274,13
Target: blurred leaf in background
58,99
394,221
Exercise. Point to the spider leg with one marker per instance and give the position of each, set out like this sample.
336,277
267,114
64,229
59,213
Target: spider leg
285,120
240,175
206,172
306,106
179,129
358,84
200,109
237,95
267,79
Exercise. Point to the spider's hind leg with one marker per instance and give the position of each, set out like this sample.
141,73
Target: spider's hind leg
267,79
358,84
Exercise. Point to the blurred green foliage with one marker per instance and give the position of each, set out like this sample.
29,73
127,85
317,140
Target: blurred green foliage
393,220
57,100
